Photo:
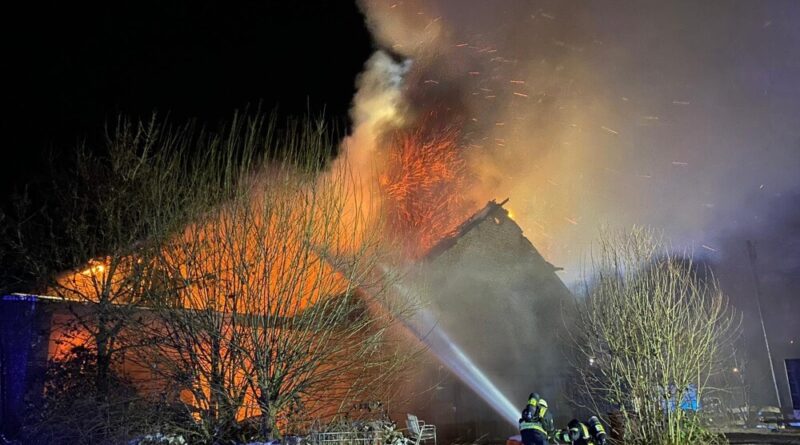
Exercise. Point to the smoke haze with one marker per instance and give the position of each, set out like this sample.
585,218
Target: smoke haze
680,115
673,114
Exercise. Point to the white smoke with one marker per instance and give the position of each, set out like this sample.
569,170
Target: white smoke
379,104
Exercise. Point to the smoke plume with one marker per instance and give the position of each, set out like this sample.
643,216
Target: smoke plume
671,114
679,115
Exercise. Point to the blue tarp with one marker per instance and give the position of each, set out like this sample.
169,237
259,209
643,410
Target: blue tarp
690,401
17,331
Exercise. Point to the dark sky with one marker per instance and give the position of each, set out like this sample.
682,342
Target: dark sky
74,66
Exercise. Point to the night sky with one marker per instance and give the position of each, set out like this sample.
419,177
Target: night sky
76,66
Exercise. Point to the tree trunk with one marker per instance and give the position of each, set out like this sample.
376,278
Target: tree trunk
267,419
103,366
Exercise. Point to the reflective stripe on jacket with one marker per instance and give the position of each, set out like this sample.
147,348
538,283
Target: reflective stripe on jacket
532,426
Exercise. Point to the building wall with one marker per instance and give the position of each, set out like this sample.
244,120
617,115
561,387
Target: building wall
498,298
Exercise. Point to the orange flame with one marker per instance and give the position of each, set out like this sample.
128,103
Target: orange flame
423,179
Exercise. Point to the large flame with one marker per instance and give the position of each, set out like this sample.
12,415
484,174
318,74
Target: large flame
422,182
289,241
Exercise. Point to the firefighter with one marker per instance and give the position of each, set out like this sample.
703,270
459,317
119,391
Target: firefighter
597,430
531,428
579,433
541,412
562,436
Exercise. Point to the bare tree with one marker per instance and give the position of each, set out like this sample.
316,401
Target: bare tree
650,334
241,268
95,242
280,310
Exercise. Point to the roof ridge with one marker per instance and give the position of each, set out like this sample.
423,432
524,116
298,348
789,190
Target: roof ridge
473,221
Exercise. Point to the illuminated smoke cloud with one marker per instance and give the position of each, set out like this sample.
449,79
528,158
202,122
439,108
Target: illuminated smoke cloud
678,115
673,114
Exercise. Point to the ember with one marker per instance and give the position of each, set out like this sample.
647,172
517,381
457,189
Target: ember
423,180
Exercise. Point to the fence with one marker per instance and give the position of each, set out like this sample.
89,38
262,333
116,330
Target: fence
347,438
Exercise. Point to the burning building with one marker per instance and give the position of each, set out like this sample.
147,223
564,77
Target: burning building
500,304
493,298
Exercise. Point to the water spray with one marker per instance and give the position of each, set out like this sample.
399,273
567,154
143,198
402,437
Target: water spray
426,328
451,355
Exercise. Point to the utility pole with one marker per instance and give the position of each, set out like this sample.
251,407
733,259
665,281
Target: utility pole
751,251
